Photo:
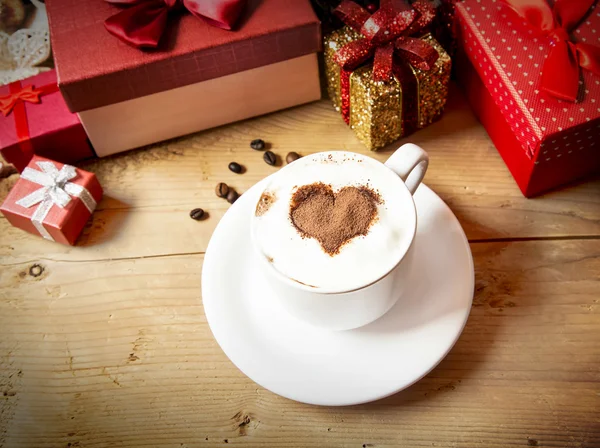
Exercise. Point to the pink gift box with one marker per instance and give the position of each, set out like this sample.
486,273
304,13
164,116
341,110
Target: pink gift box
46,128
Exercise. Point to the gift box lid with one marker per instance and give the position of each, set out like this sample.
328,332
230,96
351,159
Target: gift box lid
96,69
509,56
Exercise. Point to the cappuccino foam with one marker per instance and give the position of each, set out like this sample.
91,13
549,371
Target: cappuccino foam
334,221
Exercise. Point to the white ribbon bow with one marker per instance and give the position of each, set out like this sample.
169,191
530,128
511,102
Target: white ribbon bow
56,190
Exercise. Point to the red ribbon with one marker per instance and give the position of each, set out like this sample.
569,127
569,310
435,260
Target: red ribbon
560,73
142,24
15,102
386,40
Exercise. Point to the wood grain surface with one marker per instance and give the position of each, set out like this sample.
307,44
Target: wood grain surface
106,344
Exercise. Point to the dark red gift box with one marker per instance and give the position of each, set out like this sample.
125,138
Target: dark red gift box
38,121
96,69
198,76
545,141
53,200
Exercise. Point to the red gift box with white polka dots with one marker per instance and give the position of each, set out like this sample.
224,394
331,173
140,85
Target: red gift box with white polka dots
545,141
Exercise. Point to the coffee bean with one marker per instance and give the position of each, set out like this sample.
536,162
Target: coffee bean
270,158
235,167
197,214
257,144
222,189
292,156
232,196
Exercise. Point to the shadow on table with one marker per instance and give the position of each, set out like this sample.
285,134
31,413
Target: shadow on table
105,223
590,184
493,288
475,229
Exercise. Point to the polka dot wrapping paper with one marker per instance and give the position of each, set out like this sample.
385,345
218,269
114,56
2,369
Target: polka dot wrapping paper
499,63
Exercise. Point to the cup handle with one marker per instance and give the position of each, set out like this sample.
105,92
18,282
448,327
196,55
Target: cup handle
410,162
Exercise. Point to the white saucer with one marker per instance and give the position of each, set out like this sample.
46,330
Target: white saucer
315,366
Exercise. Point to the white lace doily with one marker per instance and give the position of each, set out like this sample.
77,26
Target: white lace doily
22,51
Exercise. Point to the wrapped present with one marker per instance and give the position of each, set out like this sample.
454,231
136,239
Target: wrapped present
141,73
36,120
532,75
52,200
386,82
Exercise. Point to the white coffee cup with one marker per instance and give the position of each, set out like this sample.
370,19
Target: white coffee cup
368,276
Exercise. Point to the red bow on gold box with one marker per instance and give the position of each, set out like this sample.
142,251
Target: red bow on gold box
408,70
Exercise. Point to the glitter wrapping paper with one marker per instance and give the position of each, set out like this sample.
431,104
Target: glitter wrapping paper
375,108
545,142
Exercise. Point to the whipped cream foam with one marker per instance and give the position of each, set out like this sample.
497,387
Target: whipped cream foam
358,262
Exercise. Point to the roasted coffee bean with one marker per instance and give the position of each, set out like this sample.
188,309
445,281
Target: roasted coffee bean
235,167
270,158
257,144
292,156
222,189
232,196
197,214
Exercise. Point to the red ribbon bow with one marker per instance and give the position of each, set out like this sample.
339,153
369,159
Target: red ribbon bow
386,40
386,32
143,23
560,73
16,95
15,101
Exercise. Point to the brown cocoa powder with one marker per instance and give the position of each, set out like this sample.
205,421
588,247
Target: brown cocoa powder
264,203
333,219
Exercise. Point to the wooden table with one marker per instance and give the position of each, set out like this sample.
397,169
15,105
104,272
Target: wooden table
106,344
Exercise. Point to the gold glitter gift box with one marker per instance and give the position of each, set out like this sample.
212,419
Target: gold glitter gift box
375,110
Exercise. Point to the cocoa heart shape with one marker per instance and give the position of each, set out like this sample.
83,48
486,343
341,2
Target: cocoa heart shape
333,218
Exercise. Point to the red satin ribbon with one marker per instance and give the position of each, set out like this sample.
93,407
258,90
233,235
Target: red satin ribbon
386,40
142,24
560,73
15,102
